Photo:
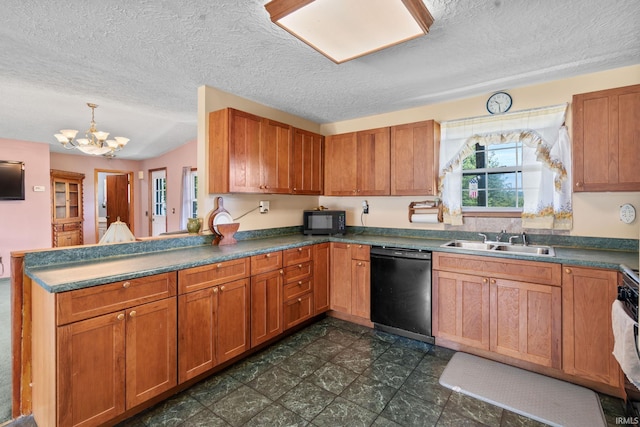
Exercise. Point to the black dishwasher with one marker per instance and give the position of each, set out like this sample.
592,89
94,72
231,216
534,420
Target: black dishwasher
401,292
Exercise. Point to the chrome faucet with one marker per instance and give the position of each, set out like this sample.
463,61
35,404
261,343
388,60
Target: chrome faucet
484,237
499,235
511,238
525,242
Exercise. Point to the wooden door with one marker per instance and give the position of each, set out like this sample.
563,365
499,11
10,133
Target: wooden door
244,152
266,306
321,288
151,350
341,277
118,199
233,320
276,157
341,160
91,370
587,296
414,158
308,171
361,289
197,332
526,321
374,163
461,308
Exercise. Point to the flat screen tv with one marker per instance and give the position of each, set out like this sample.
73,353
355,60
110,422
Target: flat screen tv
11,180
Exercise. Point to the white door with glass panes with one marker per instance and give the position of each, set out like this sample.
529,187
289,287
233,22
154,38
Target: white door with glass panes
158,202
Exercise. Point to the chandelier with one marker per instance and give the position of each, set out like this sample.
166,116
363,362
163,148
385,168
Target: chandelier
95,142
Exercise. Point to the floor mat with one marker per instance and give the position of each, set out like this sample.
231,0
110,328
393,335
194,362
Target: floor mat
545,399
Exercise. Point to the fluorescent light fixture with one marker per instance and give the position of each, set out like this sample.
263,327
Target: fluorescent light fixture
346,29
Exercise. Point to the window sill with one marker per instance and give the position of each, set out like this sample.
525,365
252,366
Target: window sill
483,214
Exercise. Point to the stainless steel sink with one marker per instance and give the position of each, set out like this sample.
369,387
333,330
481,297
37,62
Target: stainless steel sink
536,250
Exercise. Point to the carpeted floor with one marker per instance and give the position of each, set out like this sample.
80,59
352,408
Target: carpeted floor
5,351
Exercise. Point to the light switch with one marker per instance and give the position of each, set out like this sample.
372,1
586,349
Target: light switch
38,188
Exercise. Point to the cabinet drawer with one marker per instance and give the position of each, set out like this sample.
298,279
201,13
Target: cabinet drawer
266,262
196,278
91,302
545,273
294,290
360,252
298,310
71,226
298,255
298,272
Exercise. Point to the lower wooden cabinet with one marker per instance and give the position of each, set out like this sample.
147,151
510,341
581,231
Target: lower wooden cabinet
350,280
266,306
321,272
587,296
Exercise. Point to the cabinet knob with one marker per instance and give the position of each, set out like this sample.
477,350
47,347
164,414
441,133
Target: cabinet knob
215,290
493,281
348,246
485,280
300,282
567,270
299,265
268,255
578,184
281,271
359,246
299,299
221,288
295,189
299,249
120,316
359,264
126,284
219,266
132,314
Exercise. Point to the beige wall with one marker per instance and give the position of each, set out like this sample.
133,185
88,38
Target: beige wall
595,214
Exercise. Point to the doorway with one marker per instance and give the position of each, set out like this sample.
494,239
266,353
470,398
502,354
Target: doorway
158,201
114,195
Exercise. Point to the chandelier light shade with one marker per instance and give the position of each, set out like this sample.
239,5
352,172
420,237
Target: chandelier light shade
95,142
347,29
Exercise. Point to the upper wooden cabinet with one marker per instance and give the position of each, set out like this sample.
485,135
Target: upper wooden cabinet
308,171
248,153
66,208
414,158
358,163
606,140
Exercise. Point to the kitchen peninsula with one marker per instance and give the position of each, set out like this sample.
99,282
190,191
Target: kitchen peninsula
298,265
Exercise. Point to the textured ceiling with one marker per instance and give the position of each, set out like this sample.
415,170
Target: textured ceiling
143,61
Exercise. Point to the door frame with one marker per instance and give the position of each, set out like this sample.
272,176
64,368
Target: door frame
150,199
96,201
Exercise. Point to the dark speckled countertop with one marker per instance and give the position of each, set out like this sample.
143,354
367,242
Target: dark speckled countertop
86,270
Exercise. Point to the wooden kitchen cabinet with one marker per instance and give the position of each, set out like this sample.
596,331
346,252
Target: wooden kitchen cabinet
91,364
350,279
298,304
321,277
248,153
587,297
308,163
66,208
214,318
358,163
414,158
266,297
606,140
509,307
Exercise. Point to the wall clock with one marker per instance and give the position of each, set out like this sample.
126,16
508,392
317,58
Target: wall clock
499,102
627,213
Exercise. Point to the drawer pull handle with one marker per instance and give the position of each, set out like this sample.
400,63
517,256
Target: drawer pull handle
120,316
132,314
281,271
126,284
567,270
219,266
299,249
268,255
300,282
221,288
484,280
299,299
215,290
359,264
299,265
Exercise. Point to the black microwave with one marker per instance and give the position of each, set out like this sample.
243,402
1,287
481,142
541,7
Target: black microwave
324,222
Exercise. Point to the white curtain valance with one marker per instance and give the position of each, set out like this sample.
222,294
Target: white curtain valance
546,162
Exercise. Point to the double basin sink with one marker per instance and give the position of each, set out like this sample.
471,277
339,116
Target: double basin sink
536,250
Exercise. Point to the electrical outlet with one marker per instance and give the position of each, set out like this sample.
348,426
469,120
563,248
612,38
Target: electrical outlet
264,206
365,207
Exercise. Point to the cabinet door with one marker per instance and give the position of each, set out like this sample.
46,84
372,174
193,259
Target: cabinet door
244,152
276,157
374,164
321,289
361,289
461,308
341,165
341,277
308,172
587,296
196,332
414,158
91,370
606,137
297,310
266,306
151,350
526,321
233,320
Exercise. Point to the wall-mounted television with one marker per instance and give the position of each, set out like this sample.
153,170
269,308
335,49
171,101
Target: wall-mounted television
11,180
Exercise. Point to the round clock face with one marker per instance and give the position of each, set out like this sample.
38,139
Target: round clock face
627,213
499,102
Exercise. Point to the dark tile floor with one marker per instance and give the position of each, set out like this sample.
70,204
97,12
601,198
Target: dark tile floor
334,373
